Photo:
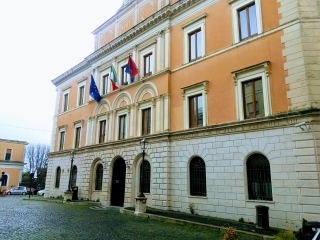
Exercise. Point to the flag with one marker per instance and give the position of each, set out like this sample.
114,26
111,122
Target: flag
131,68
94,93
113,78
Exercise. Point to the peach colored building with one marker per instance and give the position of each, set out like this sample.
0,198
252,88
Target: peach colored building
12,160
227,96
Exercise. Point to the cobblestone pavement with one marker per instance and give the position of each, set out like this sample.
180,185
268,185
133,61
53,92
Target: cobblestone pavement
24,219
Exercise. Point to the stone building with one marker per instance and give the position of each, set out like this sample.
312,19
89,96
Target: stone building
227,97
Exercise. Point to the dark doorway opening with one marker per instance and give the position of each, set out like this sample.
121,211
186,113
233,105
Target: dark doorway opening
118,183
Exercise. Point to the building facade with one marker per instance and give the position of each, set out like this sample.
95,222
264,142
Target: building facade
12,160
227,97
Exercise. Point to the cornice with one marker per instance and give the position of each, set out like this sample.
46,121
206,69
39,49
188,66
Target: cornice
163,14
13,141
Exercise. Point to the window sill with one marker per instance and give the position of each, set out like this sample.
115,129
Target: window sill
201,197
260,201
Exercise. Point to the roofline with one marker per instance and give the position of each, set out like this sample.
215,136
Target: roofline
14,141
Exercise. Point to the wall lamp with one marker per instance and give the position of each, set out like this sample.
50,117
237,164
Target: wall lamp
302,125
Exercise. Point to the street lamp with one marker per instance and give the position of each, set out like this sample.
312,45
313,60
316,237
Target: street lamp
72,154
143,145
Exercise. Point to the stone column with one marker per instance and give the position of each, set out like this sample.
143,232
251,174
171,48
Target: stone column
167,49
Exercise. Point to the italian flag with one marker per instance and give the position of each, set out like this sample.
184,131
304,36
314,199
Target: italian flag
113,79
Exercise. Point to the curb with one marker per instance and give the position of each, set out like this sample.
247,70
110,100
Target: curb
180,221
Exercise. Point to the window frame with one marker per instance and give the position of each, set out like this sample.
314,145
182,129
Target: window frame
81,98
195,192
65,104
150,50
197,112
105,130
103,74
194,90
142,106
260,70
77,125
77,136
5,154
62,130
148,58
148,127
188,28
238,5
124,129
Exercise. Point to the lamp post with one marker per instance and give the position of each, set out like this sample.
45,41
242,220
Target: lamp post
143,148
72,154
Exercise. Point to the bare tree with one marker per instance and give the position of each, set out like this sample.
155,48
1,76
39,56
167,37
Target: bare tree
36,157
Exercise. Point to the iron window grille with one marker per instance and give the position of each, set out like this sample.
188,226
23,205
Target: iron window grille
58,174
146,176
259,178
99,177
198,185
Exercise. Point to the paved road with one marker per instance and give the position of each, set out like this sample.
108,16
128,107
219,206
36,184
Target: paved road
24,219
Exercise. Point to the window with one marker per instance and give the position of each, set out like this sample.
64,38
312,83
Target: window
147,64
8,154
77,137
65,101
246,18
253,98
195,111
195,45
105,82
99,177
124,76
58,174
195,105
247,21
81,96
198,186
74,176
252,91
194,38
259,178
145,165
61,140
146,121
122,127
147,58
102,131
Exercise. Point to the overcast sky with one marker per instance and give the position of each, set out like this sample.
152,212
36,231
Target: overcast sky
40,40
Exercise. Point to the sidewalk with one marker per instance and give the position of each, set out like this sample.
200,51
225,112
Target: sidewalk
216,223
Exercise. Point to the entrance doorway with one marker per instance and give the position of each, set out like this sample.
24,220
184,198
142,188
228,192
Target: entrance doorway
118,183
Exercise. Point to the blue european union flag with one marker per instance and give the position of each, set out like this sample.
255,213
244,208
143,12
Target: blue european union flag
94,92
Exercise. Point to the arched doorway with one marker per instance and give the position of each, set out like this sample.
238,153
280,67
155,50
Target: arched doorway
118,183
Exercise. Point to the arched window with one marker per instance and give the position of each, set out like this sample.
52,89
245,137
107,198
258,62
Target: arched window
198,185
146,176
74,176
259,178
58,175
99,177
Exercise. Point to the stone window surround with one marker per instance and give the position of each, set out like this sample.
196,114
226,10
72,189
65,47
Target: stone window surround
121,112
260,70
192,90
189,27
142,106
81,84
62,129
99,119
143,52
77,124
65,91
235,6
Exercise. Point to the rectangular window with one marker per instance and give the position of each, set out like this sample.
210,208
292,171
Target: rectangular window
61,142
195,45
122,127
65,102
8,154
253,104
195,111
247,21
124,76
77,136
105,80
81,96
146,121
148,64
102,131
